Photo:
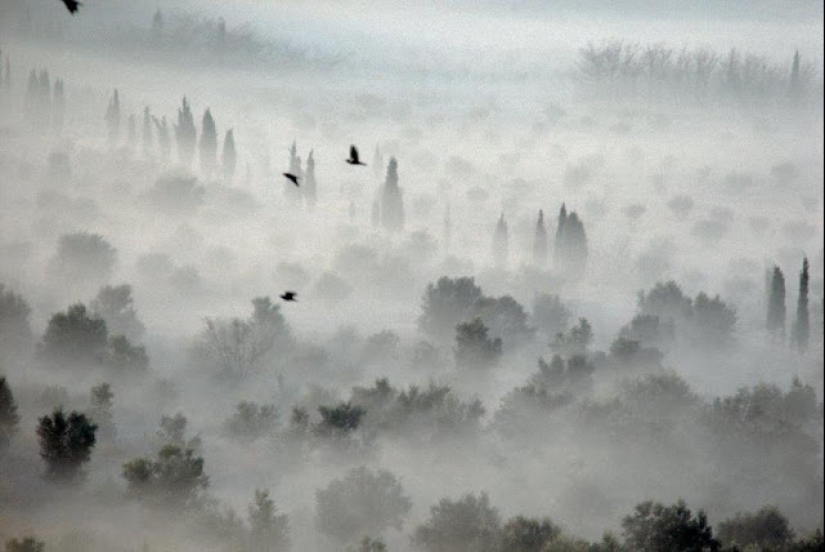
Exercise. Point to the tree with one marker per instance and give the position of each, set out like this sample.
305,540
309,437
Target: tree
9,419
174,480
157,28
473,348
74,336
101,410
550,315
131,131
522,534
268,530
114,304
229,157
364,501
654,527
766,528
310,186
66,444
164,139
540,242
713,321
392,203
15,331
801,328
292,193
28,544
113,118
251,421
500,247
795,82
468,524
83,257
123,357
504,317
369,544
146,141
575,342
185,134
339,420
447,303
208,144
776,305
666,301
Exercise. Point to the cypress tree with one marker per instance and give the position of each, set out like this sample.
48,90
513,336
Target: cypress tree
209,143
9,419
801,329
147,132
558,246
392,203
44,101
131,137
540,243
500,243
795,84
30,109
293,193
164,138
113,118
229,157
776,305
309,185
185,134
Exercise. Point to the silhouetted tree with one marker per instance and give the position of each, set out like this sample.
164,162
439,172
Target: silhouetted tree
310,186
185,134
101,410
31,108
208,144
473,348
468,524
713,320
229,158
114,304
83,258
74,336
540,242
795,82
174,480
575,342
364,501
123,357
15,330
113,118
776,305
500,243
766,529
522,534
65,444
558,244
392,204
447,303
28,544
9,419
292,193
654,527
268,530
251,421
339,420
44,101
802,328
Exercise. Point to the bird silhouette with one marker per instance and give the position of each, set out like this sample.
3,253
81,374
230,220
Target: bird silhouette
72,5
353,157
289,296
292,178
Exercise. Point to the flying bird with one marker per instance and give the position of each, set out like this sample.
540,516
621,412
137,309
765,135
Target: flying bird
292,178
353,157
72,5
289,296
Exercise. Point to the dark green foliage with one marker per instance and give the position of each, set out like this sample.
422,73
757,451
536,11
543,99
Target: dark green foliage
123,357
268,530
251,421
28,544
208,144
340,419
74,336
474,350
364,501
65,444
766,528
654,527
229,157
522,534
185,134
802,326
666,301
9,419
446,304
575,342
114,304
15,331
392,203
175,479
468,524
776,305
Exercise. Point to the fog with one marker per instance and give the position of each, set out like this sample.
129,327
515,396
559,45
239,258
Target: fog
568,280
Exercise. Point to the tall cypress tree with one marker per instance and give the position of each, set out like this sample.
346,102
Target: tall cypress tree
164,138
801,329
30,109
776,305
147,132
540,242
113,118
392,204
209,144
229,157
185,134
500,243
310,186
795,83
558,244
292,193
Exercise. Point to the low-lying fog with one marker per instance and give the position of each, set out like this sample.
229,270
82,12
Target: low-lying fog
581,269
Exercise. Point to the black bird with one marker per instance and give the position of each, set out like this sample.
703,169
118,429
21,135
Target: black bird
353,157
289,296
292,178
72,5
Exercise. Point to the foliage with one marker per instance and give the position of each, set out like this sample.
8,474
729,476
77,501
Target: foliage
115,306
15,331
175,479
575,342
468,524
713,320
65,444
123,357
101,410
339,420
665,301
251,421
74,336
27,544
474,349
268,530
505,317
364,501
654,527
392,203
522,534
9,419
173,432
447,303
766,528
801,328
209,144
83,256
550,315
185,134
776,305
